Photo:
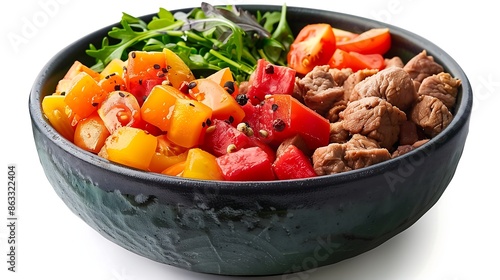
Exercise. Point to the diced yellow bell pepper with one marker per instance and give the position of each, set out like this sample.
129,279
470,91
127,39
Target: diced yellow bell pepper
178,71
59,115
189,122
130,146
115,66
201,165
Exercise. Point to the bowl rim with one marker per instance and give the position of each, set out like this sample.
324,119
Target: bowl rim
460,119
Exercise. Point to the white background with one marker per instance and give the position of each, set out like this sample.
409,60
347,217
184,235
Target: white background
457,239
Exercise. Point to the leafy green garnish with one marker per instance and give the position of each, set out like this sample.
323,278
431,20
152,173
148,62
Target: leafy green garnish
207,39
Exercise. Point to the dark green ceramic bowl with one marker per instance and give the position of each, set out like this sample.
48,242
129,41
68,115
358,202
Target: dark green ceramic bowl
252,228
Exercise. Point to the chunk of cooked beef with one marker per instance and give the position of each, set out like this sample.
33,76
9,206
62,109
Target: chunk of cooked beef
374,117
392,84
360,151
403,149
422,66
408,133
430,114
330,159
442,86
340,75
319,90
354,79
338,134
337,107
394,62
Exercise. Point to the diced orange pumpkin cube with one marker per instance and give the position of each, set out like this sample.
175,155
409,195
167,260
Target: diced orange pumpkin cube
201,165
223,105
85,95
130,146
189,122
158,107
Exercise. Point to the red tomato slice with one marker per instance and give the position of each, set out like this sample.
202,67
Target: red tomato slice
356,61
313,46
342,35
375,40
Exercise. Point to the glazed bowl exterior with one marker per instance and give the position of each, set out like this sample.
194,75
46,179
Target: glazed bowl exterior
252,228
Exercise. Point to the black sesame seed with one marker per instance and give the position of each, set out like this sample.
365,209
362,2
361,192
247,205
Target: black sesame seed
209,122
279,125
161,75
132,54
95,104
63,93
274,107
231,119
191,104
140,82
156,66
117,87
191,85
242,99
164,70
121,94
269,69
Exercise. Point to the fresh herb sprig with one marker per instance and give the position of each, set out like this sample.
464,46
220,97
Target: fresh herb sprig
207,39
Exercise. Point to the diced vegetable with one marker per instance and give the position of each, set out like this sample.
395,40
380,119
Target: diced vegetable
177,71
313,46
130,146
144,71
85,95
293,164
250,164
356,61
224,138
373,41
120,109
270,79
59,115
188,123
201,165
91,133
282,116
223,105
158,107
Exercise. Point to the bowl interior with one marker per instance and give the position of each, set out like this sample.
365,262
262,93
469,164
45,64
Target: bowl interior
405,45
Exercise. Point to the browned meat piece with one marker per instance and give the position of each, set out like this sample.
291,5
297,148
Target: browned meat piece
430,114
374,117
296,141
392,84
354,79
422,66
337,107
320,90
357,153
394,62
408,133
340,75
442,86
330,159
338,134
403,149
